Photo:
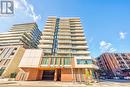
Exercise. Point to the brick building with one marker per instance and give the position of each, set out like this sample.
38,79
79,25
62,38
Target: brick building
114,64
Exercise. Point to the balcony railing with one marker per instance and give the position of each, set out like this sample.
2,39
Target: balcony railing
50,24
47,51
49,30
77,34
49,27
48,37
64,41
77,31
75,25
65,37
81,52
64,46
46,41
79,42
45,46
80,47
64,51
78,38
65,34
48,33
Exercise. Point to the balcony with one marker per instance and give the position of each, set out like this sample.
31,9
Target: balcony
79,42
12,38
83,57
48,33
64,31
65,46
44,46
54,22
81,52
64,42
77,34
64,34
49,27
47,51
64,20
64,37
80,47
50,24
46,41
75,25
71,23
51,19
74,20
49,30
47,37
64,24
76,28
64,52
78,38
77,31
64,27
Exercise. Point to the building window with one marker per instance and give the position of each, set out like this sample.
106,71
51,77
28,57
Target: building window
67,61
60,61
45,61
15,48
52,61
1,70
56,61
1,49
12,53
6,62
84,61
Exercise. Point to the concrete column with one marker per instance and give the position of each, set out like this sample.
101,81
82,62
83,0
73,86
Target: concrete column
79,74
72,74
91,77
55,75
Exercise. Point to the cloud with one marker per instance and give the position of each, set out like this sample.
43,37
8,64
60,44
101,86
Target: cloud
122,35
106,47
27,8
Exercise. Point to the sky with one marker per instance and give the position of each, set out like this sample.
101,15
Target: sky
106,22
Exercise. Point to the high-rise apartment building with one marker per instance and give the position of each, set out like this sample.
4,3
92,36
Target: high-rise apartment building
65,53
63,38
27,35
13,45
114,64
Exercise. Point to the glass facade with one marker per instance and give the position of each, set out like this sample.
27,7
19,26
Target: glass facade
84,61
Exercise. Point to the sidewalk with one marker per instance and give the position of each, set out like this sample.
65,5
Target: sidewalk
61,84
41,84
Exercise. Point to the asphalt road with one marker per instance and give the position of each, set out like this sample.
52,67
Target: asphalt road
103,83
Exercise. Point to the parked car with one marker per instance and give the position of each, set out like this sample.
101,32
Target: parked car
116,78
127,78
101,77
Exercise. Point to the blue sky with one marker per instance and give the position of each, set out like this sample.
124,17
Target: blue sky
106,22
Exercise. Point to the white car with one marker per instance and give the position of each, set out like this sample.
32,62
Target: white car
127,78
116,78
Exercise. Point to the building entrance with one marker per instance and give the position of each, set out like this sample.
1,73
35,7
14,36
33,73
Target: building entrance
58,75
48,75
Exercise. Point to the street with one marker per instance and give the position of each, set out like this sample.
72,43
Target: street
104,83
